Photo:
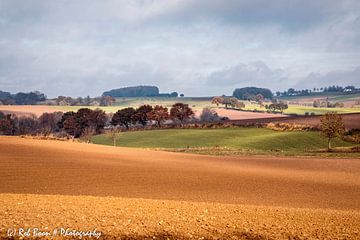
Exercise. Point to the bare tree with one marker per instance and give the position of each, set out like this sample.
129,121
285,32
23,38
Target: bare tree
88,133
332,126
114,135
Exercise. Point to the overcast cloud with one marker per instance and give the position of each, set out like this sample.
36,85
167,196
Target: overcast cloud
196,47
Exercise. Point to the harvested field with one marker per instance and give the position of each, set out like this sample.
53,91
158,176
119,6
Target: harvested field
351,120
127,218
239,115
212,197
23,110
77,168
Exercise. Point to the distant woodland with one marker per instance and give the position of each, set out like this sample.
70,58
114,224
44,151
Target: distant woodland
138,91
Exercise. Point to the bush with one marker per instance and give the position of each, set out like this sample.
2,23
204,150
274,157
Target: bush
288,127
209,115
352,135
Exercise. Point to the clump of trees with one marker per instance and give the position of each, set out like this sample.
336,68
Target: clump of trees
141,114
308,92
179,112
36,97
123,117
332,126
138,91
20,98
232,102
250,93
87,101
327,104
159,114
277,106
46,124
84,122
209,115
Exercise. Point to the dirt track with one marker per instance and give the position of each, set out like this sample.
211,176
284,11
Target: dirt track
51,167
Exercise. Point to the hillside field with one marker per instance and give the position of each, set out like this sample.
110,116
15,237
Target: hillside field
132,193
226,141
197,104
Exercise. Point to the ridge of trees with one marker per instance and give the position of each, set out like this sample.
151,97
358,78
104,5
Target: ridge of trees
250,93
138,91
308,92
21,98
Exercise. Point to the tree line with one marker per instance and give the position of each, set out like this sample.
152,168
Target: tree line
308,92
139,91
86,122
36,97
231,102
234,103
21,98
80,101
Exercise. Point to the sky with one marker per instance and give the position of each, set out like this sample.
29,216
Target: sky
195,47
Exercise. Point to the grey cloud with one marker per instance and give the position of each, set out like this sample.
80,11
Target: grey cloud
192,46
252,74
337,77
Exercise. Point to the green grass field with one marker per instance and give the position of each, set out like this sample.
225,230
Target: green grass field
301,110
226,141
331,96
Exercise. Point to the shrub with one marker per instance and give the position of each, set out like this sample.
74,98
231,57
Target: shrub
353,136
209,115
288,127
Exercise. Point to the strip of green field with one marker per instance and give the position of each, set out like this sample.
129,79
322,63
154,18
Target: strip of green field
330,96
302,110
225,141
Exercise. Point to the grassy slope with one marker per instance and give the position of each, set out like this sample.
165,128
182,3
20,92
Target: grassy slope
301,110
224,141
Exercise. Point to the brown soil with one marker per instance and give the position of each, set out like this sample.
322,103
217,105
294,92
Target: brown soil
326,190
24,110
126,218
239,115
351,120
